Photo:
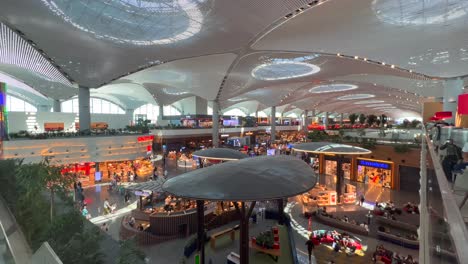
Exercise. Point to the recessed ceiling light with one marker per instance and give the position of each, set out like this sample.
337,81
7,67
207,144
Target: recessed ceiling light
330,88
369,102
355,96
283,70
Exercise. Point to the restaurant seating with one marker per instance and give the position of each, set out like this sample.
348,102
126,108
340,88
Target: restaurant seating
397,224
342,225
221,233
399,240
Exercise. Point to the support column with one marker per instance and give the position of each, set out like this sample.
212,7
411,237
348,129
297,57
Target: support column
160,115
201,230
313,116
281,211
57,106
83,108
201,106
215,118
339,177
341,119
325,120
244,215
452,89
273,124
305,121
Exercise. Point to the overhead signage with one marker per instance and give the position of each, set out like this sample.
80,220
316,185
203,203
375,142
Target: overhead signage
374,164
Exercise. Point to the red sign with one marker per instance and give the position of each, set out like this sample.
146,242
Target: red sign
145,138
148,148
463,104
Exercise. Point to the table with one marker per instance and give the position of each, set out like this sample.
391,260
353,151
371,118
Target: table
273,253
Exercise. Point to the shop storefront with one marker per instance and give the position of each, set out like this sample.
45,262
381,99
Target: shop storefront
330,166
375,172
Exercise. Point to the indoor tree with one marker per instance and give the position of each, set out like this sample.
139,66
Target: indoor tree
362,119
353,118
371,119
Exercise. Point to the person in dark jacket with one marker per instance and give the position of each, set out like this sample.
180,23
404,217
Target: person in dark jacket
310,247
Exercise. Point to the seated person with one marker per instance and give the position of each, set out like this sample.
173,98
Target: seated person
131,222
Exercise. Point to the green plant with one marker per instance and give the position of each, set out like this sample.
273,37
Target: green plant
317,135
130,253
371,119
353,118
362,119
401,148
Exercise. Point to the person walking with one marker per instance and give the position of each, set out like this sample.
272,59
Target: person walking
361,200
310,247
369,217
454,154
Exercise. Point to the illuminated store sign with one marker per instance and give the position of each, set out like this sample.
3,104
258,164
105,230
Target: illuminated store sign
374,164
145,138
3,118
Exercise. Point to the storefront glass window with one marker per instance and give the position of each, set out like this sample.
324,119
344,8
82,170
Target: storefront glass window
374,172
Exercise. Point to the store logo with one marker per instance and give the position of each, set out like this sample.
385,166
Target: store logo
374,164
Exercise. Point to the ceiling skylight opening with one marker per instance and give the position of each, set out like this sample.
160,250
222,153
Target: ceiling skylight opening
283,70
355,96
238,99
173,91
419,12
331,88
138,22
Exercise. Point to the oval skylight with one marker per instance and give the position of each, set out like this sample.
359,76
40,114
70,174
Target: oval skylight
419,12
331,88
283,70
355,96
139,22
368,102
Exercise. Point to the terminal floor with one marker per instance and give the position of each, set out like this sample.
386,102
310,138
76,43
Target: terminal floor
172,251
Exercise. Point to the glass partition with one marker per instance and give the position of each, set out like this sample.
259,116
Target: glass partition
443,232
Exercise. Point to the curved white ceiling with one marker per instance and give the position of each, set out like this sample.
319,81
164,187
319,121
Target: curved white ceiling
396,32
244,53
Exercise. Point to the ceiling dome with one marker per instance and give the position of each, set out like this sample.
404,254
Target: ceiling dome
139,22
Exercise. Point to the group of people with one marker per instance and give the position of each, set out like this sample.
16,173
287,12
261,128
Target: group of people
389,208
411,208
385,256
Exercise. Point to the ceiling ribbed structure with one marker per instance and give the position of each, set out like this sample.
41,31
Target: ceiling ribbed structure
247,54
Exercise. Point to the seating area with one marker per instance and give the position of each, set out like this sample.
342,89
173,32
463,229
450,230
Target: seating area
396,223
407,240
343,223
221,233
382,255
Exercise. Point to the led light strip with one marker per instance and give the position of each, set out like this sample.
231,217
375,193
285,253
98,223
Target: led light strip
14,50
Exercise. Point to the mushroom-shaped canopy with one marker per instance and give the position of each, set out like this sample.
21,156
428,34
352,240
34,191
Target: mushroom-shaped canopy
330,148
220,154
253,179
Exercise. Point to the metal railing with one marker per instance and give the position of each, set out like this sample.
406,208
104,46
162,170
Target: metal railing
443,233
7,255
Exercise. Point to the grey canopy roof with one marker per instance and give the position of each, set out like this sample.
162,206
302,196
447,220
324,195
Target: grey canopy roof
330,148
252,179
220,154
154,186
